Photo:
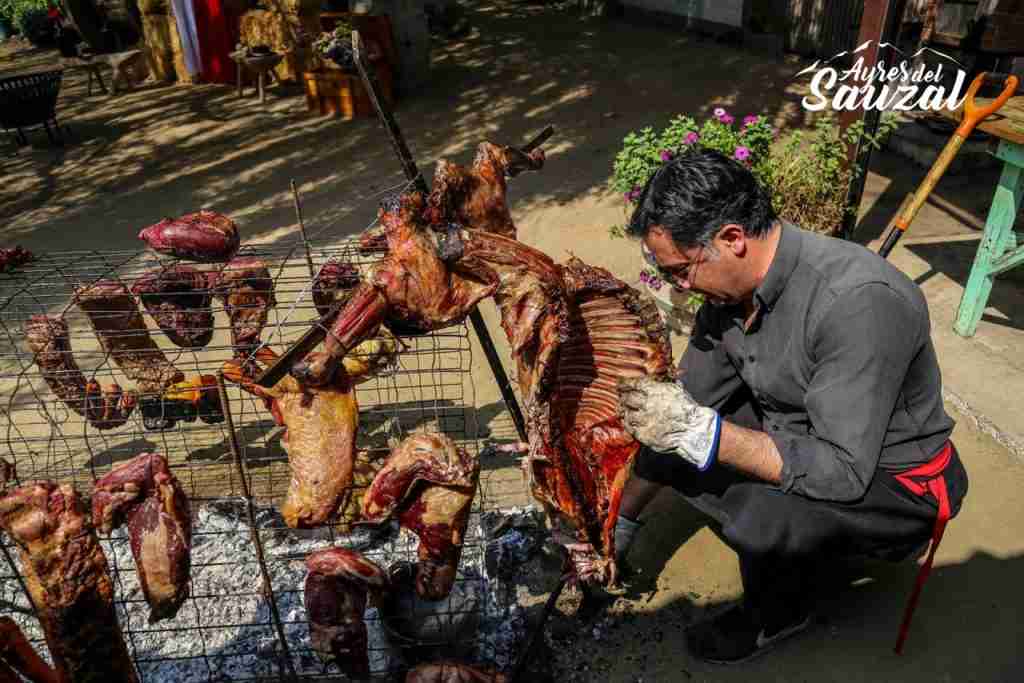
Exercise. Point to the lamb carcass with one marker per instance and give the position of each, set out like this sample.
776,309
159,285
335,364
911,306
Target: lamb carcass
429,484
321,431
143,493
247,291
201,236
574,330
452,672
67,577
178,298
335,598
104,407
18,657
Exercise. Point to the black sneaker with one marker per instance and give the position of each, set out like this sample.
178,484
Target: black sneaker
736,636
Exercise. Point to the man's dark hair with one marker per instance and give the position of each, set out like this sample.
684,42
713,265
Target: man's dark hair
698,192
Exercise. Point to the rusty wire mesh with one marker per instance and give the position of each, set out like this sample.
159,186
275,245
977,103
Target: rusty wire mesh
226,629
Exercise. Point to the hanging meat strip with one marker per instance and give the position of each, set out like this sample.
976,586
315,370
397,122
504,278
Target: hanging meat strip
247,292
178,298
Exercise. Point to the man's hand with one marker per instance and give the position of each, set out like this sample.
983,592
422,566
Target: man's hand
665,418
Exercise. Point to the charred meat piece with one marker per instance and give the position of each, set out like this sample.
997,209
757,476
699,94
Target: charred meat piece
476,197
452,672
18,657
201,236
104,407
321,432
247,291
12,258
178,298
123,334
335,281
66,573
335,597
143,494
429,484
574,331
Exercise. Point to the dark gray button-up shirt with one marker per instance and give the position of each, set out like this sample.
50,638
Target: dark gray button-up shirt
839,359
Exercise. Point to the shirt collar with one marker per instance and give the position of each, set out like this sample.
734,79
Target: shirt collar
787,255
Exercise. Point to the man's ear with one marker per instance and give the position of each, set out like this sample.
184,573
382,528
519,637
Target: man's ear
733,238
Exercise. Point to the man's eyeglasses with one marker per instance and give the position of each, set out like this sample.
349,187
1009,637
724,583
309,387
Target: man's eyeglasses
672,274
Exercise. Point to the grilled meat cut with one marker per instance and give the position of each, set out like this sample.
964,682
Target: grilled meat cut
247,292
12,258
476,196
335,598
104,407
18,657
201,236
143,494
178,298
334,281
574,330
429,484
66,573
452,672
123,334
321,431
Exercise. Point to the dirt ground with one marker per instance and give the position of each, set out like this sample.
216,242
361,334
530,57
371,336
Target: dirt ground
164,150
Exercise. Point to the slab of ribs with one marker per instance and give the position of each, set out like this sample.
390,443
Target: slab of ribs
143,494
574,330
428,484
320,435
335,597
205,236
68,581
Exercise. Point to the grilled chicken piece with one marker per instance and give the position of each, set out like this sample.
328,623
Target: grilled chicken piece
178,298
452,672
335,597
104,407
429,484
476,196
247,291
18,657
123,334
321,431
574,331
66,573
201,236
334,281
144,494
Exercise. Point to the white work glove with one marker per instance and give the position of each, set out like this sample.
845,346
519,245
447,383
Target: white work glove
665,418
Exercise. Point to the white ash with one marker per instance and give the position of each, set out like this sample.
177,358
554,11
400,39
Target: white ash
224,631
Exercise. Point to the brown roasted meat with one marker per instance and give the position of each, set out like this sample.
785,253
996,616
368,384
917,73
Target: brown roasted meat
321,431
104,407
122,332
247,291
333,282
18,657
476,196
12,258
201,236
66,573
574,330
453,672
428,484
178,298
143,494
335,597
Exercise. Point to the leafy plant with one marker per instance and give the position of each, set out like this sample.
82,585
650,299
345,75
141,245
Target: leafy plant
336,45
15,10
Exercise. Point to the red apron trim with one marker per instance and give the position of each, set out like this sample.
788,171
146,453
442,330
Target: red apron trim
923,480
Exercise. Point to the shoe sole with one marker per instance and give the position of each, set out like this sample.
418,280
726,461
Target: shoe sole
769,645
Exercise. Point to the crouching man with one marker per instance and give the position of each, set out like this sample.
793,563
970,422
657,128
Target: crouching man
808,418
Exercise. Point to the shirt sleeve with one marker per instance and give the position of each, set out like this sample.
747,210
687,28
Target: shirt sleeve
861,350
705,369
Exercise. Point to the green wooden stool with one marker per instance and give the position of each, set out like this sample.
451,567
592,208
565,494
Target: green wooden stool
1000,249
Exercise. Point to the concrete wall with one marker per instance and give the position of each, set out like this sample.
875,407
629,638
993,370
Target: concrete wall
729,13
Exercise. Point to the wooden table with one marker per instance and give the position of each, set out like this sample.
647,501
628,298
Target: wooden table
262,64
1001,249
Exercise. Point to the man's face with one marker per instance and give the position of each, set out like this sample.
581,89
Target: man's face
705,270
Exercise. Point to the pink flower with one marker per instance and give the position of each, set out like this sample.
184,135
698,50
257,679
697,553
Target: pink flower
727,120
742,153
749,120
692,137
666,155
719,113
